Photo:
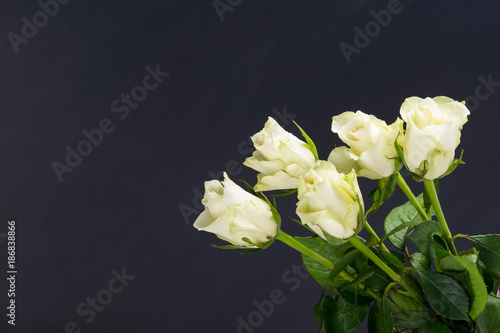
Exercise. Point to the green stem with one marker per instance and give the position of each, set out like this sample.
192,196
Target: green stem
407,191
357,243
292,242
431,191
372,232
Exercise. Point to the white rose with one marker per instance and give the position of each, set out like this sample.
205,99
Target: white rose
330,203
371,142
233,214
280,157
432,133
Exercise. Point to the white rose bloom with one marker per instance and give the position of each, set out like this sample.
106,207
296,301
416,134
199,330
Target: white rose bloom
371,144
233,214
280,157
432,133
330,203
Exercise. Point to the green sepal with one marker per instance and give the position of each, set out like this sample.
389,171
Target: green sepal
229,247
304,225
421,171
399,150
251,189
252,251
284,193
383,191
456,162
274,211
247,240
310,142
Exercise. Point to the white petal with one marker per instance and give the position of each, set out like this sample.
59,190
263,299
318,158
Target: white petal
220,226
344,160
233,195
254,222
260,164
439,162
203,220
374,164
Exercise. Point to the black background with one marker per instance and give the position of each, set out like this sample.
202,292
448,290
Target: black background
121,206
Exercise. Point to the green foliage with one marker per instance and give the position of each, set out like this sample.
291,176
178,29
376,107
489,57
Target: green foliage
334,253
399,221
473,281
372,319
342,264
489,251
489,320
434,326
378,281
392,261
338,315
446,295
384,319
419,261
456,162
433,290
383,191
491,281
310,142
411,319
404,303
421,236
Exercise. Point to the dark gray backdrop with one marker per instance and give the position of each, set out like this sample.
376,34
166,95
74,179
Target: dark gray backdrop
127,207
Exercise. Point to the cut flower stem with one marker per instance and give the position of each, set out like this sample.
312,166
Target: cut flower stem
372,232
413,199
292,242
357,243
433,196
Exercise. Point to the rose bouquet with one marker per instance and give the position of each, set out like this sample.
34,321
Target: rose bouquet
435,288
